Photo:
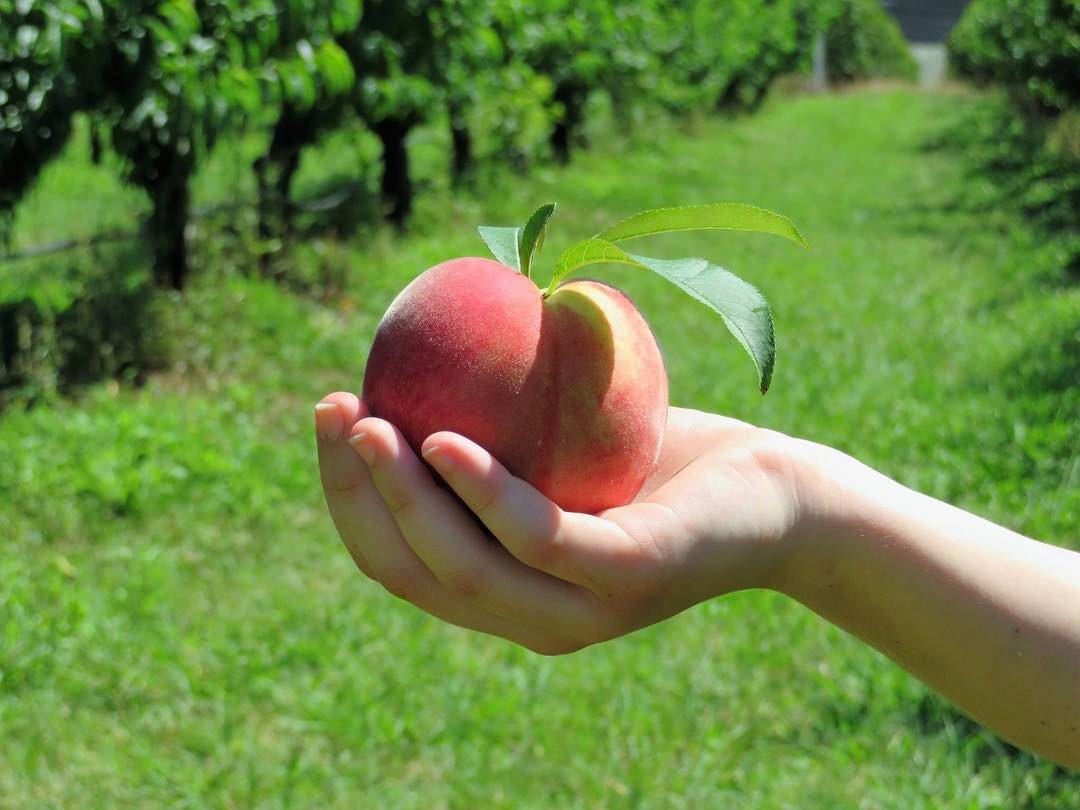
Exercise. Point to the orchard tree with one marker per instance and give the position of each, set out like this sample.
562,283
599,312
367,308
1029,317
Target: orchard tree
311,77
581,46
565,41
1031,47
52,59
394,53
728,60
468,58
165,76
183,72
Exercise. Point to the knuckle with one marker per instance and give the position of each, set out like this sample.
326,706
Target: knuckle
402,584
542,551
346,487
397,502
771,447
361,562
469,585
542,546
484,502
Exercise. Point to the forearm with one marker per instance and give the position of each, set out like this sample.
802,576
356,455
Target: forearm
987,617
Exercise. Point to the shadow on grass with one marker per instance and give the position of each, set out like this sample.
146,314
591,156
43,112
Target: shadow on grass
307,256
1010,164
1051,367
934,716
78,318
337,208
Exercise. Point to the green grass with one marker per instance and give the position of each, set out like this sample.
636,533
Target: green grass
179,625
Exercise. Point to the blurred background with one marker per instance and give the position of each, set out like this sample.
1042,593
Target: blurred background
205,207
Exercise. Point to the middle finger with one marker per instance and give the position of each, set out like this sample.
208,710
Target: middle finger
446,537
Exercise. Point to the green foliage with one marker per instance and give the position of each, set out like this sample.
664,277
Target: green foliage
185,73
705,51
516,247
68,322
497,104
52,62
783,35
1032,47
315,78
729,59
707,217
511,123
1014,163
1032,50
581,47
864,42
168,77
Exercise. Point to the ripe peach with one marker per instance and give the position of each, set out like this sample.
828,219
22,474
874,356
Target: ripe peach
568,391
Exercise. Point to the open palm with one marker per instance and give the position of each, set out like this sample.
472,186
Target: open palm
556,581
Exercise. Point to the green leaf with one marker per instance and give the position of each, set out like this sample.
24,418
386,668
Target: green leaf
335,67
714,216
515,247
741,306
503,244
588,251
531,237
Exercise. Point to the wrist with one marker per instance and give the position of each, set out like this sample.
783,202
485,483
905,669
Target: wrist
840,503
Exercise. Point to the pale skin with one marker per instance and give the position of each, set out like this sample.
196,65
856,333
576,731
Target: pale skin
985,616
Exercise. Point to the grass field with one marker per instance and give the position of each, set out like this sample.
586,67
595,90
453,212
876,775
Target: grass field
180,627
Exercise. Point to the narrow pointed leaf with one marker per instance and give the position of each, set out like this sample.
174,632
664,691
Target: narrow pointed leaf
714,216
531,237
740,305
586,252
503,244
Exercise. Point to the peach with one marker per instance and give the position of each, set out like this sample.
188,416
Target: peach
568,391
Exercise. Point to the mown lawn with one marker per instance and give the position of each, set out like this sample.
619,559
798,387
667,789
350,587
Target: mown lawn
179,625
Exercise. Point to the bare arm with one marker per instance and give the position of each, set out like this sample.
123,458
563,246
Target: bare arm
985,616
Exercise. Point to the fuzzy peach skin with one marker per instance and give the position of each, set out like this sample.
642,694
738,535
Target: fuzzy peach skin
568,391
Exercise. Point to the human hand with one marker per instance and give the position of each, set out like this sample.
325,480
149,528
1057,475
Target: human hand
719,514
973,609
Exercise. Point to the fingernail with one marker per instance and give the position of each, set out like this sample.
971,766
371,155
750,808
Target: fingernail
363,447
439,460
328,421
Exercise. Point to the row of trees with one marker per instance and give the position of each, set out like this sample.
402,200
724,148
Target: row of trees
1032,47
163,80
1030,147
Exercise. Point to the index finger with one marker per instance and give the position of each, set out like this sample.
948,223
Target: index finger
579,548
344,477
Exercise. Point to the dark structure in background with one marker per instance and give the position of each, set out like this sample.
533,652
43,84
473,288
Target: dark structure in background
926,20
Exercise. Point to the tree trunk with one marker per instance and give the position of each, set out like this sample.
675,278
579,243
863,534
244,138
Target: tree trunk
565,132
560,141
171,194
287,166
274,174
461,142
397,192
168,223
97,149
264,211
